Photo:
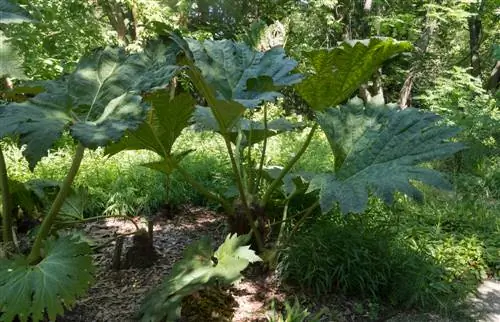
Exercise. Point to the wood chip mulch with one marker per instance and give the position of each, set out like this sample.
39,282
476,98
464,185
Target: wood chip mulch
117,295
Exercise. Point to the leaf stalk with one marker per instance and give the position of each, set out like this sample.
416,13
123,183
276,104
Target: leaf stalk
276,182
7,235
63,193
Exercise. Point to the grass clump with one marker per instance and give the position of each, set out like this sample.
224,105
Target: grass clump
344,255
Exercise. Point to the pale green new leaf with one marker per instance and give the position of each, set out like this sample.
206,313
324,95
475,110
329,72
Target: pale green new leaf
11,12
339,72
199,267
379,150
53,284
228,66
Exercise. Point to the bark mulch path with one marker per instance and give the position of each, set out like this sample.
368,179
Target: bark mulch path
117,295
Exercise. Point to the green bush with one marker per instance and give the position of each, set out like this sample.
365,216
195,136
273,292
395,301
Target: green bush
356,258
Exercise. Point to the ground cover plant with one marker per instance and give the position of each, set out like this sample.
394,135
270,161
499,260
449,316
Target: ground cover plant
297,149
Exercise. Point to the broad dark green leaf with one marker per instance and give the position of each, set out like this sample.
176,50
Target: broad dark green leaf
120,114
229,67
11,12
38,126
63,274
339,72
98,102
380,150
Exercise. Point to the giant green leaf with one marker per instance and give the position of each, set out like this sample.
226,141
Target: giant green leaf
337,73
11,12
98,102
237,72
158,60
199,267
38,126
378,150
54,283
122,113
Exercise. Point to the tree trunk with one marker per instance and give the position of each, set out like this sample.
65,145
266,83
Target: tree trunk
405,93
474,37
117,16
421,46
494,80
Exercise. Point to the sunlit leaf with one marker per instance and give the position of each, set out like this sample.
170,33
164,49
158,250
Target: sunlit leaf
10,12
339,72
200,267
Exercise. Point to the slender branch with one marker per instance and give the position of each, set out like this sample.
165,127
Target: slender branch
289,166
283,223
7,235
250,168
47,223
307,212
109,241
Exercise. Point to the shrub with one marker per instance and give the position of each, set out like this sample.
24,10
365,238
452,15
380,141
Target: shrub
367,260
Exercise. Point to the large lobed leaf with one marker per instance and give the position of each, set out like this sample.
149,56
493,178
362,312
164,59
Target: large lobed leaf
339,72
54,283
240,73
199,267
378,149
11,12
98,103
166,120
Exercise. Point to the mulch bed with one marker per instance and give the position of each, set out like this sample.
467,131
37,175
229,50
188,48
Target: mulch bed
117,295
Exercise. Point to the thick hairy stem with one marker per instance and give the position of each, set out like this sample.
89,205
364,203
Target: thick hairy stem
263,152
7,236
243,196
204,191
289,166
47,223
212,102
